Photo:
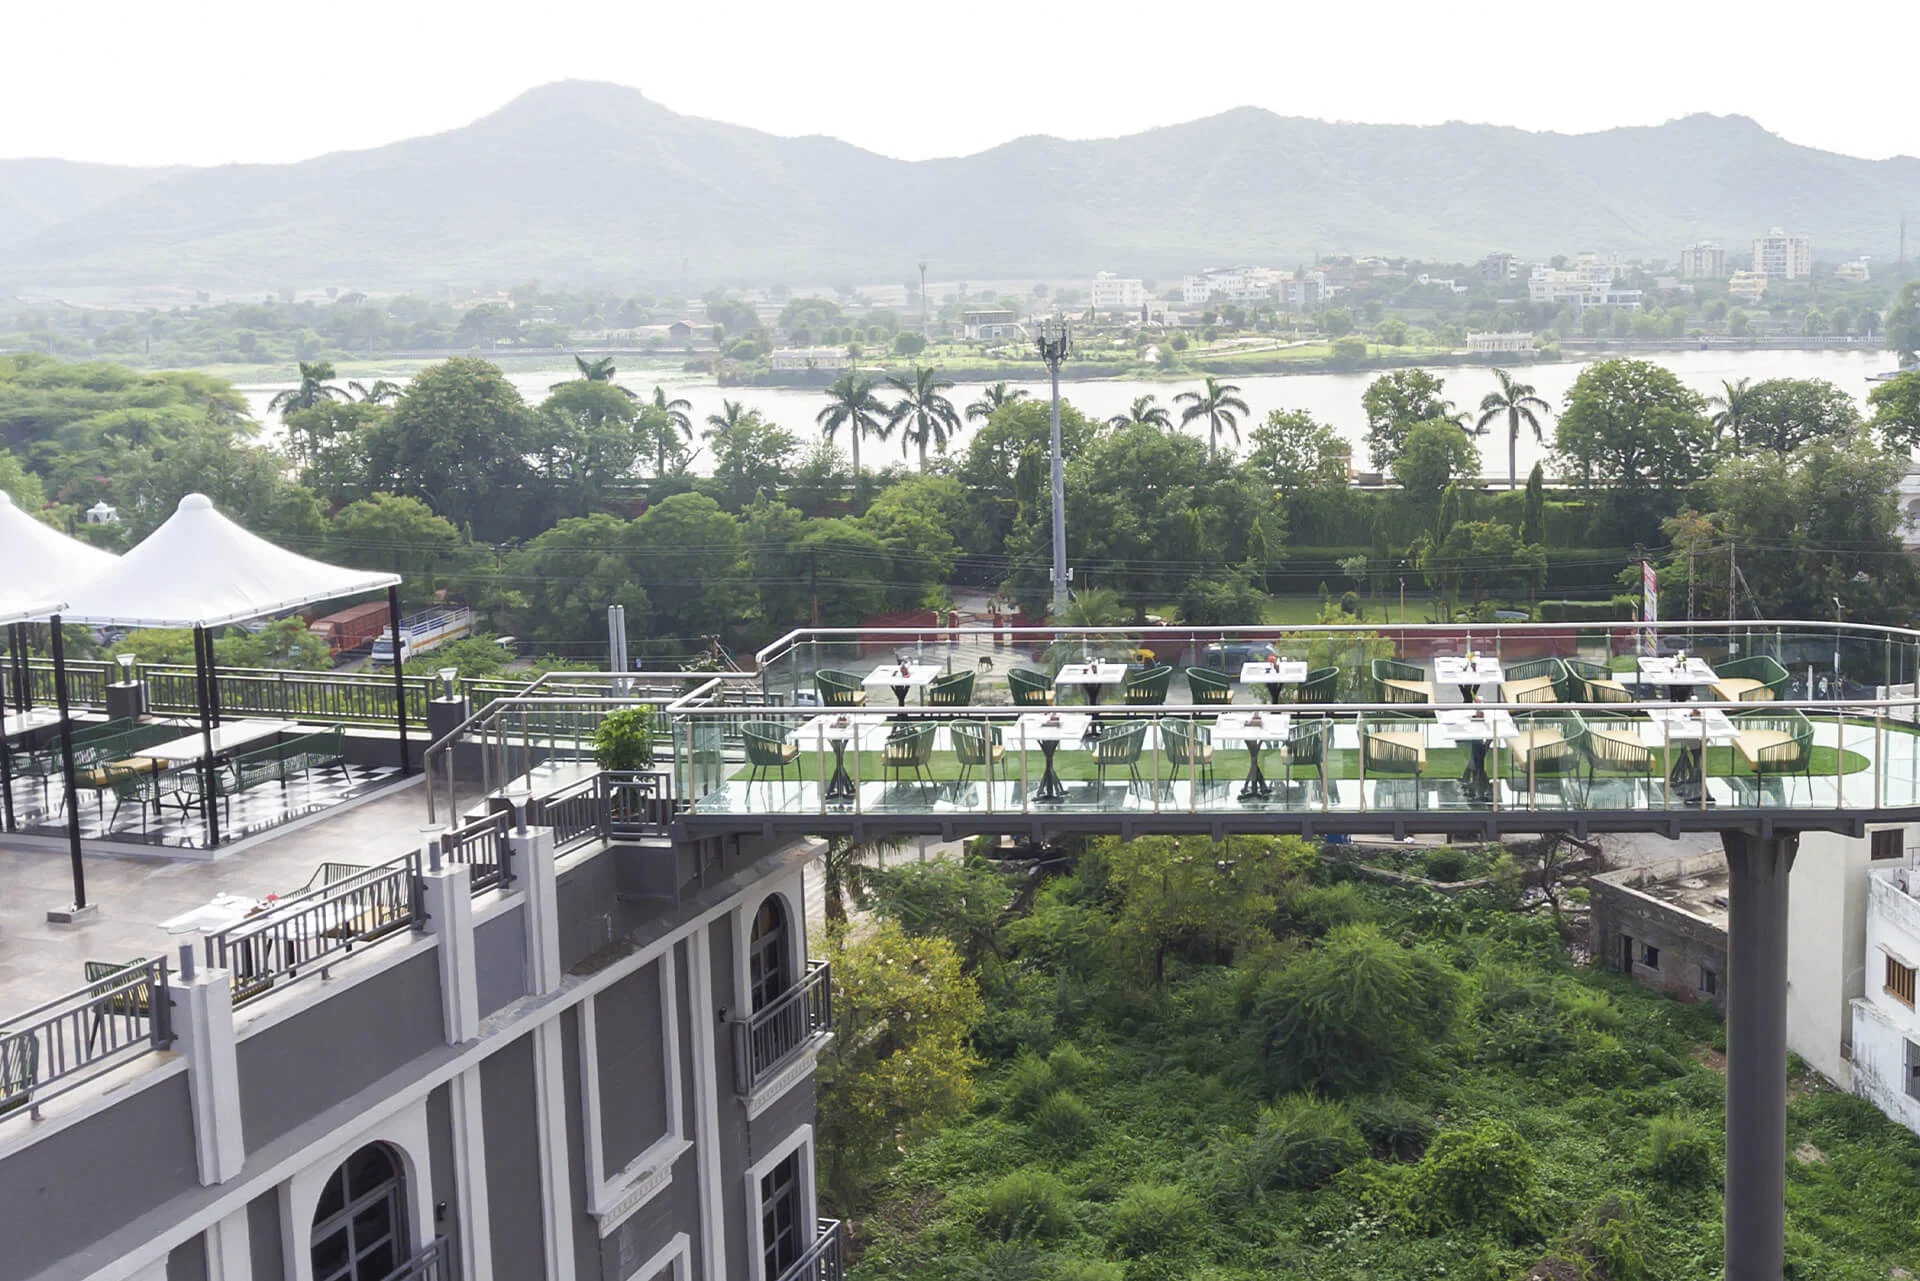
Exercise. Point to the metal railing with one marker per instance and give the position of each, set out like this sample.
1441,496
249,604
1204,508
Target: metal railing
481,845
431,1263
612,805
346,697
304,934
768,1039
66,1042
825,1259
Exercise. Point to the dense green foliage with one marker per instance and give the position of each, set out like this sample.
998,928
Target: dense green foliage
1235,1062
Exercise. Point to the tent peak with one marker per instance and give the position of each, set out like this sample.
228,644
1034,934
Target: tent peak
196,503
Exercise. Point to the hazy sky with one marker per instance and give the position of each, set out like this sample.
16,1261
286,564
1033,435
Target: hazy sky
210,81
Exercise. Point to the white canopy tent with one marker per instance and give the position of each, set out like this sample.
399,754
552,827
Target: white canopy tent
43,566
200,570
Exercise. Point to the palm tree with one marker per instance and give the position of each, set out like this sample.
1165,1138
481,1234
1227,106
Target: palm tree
993,398
845,874
732,414
851,404
378,392
664,423
1219,404
1143,412
929,416
598,371
1732,406
1518,402
313,389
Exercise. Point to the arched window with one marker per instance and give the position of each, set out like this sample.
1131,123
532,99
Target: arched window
360,1225
769,968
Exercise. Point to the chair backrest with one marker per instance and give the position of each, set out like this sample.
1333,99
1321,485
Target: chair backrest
1321,686
331,874
836,689
1121,744
130,782
105,729
1792,756
1758,667
1180,738
1390,669
98,972
1535,669
1029,688
1149,688
1554,755
970,740
1384,755
19,1070
765,741
1208,686
1307,741
952,690
910,746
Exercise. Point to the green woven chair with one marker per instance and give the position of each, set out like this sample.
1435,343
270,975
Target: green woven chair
1539,681
1393,745
1148,688
1030,688
329,874
19,1071
1189,750
1306,745
1396,682
135,1002
1208,687
1613,746
1119,746
1774,742
1592,683
976,745
838,689
1754,679
1547,746
139,785
952,690
768,749
909,750
1321,686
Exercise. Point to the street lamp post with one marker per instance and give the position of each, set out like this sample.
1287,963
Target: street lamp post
1054,341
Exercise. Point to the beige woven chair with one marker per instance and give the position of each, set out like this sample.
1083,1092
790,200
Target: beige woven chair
1535,682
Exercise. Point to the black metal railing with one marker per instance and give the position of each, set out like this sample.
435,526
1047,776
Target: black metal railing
348,698
62,1044
768,1039
87,681
825,1259
481,845
612,805
305,934
431,1263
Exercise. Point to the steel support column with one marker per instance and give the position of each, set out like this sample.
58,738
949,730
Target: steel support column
399,678
1756,1196
67,779
208,767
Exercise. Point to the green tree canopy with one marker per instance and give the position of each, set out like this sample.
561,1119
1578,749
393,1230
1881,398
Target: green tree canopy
1293,451
1896,410
388,531
1435,454
1631,427
1394,403
1782,414
458,439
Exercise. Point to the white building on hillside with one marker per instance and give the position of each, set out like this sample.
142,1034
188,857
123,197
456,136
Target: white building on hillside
1779,255
1855,271
990,325
1747,286
1116,293
1703,260
1518,343
818,359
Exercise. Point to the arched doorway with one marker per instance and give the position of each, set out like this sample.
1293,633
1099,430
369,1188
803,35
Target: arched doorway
769,963
360,1226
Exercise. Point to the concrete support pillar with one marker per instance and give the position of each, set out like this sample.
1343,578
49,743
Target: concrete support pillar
126,699
1756,1197
550,1129
470,1177
532,852
203,1026
230,1249
449,902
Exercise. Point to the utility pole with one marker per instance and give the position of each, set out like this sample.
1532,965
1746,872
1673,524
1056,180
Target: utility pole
1055,340
1733,575
813,584
923,299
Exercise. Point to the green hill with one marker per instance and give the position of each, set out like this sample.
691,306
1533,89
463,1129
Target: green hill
594,183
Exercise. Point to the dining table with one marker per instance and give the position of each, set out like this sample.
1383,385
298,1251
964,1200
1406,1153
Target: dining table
837,731
227,738
902,677
1478,728
1678,675
1274,673
1047,730
1470,673
1253,730
1690,730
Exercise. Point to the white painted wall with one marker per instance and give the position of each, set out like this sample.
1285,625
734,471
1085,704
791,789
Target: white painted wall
1827,944
1882,1025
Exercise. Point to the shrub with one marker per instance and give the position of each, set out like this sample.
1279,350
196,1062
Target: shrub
1678,1151
1030,1082
1482,1177
1149,1217
1026,1203
1063,1119
1393,1125
624,740
1070,1064
1447,864
1300,1142
1320,909
1350,603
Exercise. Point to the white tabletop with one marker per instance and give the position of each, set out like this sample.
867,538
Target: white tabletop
190,747
828,728
889,675
1684,724
1065,727
1251,727
1287,671
1095,673
224,910
1453,670
32,718
1463,726
1665,670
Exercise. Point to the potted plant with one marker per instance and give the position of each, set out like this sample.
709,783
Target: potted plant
624,740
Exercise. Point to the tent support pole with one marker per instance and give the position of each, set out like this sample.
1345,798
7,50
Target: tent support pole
6,758
66,768
203,683
213,681
22,673
399,678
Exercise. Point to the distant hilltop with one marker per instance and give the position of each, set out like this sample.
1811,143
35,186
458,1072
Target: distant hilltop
590,183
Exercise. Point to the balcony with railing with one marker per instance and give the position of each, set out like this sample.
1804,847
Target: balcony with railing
825,1259
772,1037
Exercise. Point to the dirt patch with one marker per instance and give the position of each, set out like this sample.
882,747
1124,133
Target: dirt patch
1707,1056
1807,1154
1554,1268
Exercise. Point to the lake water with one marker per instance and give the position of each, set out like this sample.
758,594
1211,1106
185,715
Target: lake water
1332,398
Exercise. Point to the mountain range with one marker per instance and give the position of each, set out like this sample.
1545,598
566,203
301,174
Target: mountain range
590,183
